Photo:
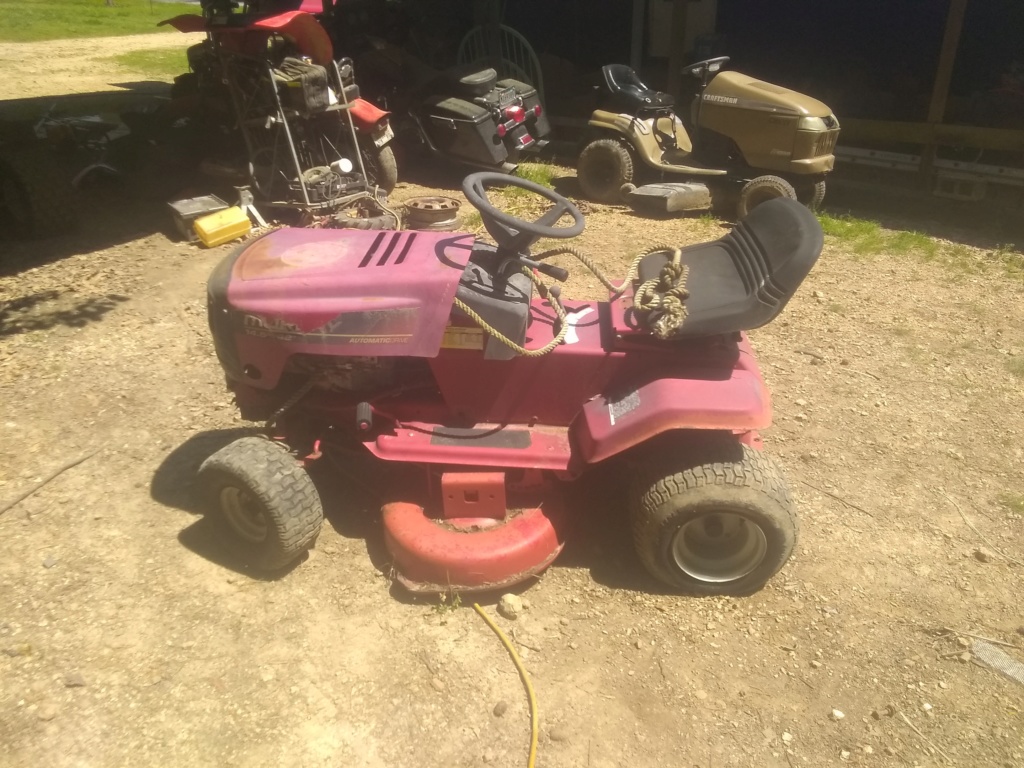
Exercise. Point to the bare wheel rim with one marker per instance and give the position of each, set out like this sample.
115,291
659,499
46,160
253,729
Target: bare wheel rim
244,514
719,547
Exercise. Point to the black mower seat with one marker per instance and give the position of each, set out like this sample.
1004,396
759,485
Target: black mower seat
472,80
628,91
743,280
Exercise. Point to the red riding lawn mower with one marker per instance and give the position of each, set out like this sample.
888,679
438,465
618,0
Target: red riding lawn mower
451,355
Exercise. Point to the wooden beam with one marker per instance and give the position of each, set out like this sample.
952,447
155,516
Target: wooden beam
930,134
677,46
636,43
947,58
943,75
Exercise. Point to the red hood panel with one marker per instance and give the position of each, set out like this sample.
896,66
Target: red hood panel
344,293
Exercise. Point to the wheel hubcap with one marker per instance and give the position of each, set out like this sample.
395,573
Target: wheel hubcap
719,547
243,514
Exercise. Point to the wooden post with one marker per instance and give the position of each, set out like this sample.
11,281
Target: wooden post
944,72
677,46
943,75
636,44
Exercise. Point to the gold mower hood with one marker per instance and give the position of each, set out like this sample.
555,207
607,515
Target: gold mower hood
734,89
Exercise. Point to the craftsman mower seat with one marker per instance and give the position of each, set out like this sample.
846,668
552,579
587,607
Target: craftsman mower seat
629,94
743,280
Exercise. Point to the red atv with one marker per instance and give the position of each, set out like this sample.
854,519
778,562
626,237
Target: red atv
443,352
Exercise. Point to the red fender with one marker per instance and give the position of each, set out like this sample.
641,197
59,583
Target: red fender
739,404
311,39
365,115
438,555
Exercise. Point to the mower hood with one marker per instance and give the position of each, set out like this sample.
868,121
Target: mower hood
734,89
330,292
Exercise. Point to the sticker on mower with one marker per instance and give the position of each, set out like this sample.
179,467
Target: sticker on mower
572,319
456,337
619,408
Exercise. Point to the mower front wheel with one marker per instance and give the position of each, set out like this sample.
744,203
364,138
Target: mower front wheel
761,190
263,502
718,528
605,165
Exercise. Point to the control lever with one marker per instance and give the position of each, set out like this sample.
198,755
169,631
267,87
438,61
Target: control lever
558,273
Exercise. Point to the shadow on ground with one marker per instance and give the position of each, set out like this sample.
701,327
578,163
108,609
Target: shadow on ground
157,162
353,487
31,313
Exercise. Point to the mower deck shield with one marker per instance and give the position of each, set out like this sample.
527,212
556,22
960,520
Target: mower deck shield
439,555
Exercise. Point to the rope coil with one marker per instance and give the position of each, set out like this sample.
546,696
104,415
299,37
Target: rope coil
659,302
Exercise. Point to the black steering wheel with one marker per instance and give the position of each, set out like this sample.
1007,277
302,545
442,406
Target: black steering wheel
708,66
509,231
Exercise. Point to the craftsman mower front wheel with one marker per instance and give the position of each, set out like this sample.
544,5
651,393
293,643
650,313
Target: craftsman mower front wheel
761,190
263,502
717,528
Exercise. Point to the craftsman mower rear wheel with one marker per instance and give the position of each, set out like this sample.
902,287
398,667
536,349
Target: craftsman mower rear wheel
723,527
604,166
264,503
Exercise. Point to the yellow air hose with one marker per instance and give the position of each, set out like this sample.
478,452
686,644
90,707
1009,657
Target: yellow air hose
523,676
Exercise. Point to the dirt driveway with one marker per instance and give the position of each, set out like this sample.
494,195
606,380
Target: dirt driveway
76,66
125,638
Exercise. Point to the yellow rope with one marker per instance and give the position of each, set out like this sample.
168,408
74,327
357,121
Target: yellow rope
661,297
520,350
523,676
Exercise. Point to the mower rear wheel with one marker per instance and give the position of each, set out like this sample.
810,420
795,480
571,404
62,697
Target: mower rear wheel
723,527
605,165
761,190
263,501
811,195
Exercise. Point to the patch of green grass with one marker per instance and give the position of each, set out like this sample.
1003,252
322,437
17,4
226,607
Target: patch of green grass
848,228
907,242
472,220
538,173
1010,259
960,256
868,238
32,20
447,602
157,63
1014,502
1015,365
